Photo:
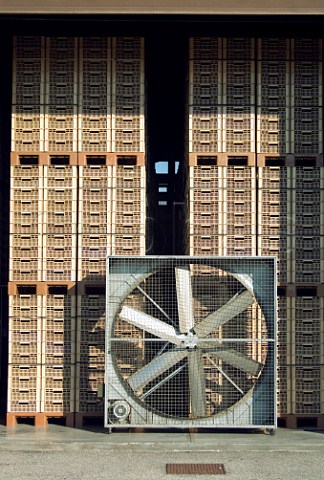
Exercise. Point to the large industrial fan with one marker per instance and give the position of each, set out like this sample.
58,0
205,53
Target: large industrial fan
191,342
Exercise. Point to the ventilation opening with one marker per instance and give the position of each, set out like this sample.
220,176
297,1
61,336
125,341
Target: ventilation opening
57,290
206,160
237,160
96,160
306,292
28,160
60,160
281,291
127,160
305,161
26,289
25,420
95,290
275,161
92,421
307,422
56,421
281,422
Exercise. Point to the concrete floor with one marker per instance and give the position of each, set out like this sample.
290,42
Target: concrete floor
56,438
58,453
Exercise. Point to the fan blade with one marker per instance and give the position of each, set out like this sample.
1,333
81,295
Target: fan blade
197,384
237,360
231,309
149,324
156,367
184,296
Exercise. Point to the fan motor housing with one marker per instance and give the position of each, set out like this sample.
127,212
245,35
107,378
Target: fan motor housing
191,342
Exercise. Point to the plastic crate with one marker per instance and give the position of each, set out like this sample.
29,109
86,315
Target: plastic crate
274,49
93,123
307,48
205,47
94,140
92,269
59,269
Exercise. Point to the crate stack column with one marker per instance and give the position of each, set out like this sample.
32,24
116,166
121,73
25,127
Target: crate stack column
205,97
94,101
307,357
128,99
307,99
273,101
25,350
239,207
61,96
238,100
203,185
90,352
58,351
25,303
307,271
94,218
28,97
127,190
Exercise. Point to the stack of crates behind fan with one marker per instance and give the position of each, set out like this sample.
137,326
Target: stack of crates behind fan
61,94
307,98
26,210
95,95
27,132
284,372
308,225
128,101
91,350
60,221
307,353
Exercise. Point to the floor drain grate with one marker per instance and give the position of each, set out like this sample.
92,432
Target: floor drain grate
195,468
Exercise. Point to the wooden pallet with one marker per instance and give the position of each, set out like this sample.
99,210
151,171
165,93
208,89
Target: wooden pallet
40,419
302,420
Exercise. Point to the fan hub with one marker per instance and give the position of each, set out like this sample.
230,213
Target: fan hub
188,340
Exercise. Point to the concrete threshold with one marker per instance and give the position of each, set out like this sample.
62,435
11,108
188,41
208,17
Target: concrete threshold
58,438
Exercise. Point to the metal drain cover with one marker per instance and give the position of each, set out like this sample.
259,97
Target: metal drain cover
195,468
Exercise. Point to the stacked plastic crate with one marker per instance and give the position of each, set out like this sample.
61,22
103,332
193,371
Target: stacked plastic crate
94,220
307,295
61,95
307,97
273,100
25,321
307,232
128,207
204,180
222,178
43,225
239,97
112,203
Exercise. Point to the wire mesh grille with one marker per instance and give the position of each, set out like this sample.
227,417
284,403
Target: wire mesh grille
188,339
